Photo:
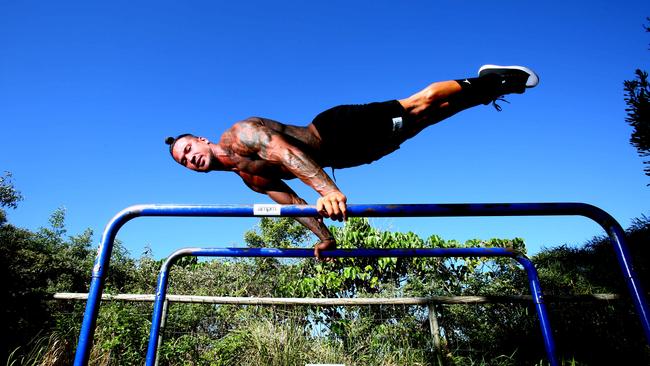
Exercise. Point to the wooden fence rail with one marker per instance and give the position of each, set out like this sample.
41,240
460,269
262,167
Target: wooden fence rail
342,301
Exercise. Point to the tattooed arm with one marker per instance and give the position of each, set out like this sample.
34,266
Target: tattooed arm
251,137
281,193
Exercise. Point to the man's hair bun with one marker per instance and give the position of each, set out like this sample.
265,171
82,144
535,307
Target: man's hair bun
172,140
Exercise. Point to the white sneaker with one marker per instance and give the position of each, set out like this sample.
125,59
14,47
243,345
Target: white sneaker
514,79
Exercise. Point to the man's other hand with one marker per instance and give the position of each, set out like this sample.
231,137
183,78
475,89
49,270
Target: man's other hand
333,205
325,244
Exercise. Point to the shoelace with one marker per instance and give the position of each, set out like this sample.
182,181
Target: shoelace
499,99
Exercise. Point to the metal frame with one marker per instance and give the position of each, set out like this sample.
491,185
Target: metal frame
611,226
163,278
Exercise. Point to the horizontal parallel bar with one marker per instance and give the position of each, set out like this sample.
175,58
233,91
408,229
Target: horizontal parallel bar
373,210
347,253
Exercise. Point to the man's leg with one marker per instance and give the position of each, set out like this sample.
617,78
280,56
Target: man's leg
441,100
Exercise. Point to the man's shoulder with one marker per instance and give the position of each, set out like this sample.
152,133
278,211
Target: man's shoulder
245,137
233,134
249,122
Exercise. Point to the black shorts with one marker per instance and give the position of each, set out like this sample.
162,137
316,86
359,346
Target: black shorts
353,135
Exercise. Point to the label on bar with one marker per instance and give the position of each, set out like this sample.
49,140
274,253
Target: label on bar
266,210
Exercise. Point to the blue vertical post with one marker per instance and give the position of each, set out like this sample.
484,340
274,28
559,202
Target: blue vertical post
538,300
97,285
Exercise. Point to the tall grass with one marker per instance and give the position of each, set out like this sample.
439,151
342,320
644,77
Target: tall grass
265,342
49,350
266,338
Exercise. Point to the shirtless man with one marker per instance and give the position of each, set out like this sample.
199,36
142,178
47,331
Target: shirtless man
265,152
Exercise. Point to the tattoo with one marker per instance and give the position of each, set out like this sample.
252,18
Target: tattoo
255,138
300,134
316,227
251,135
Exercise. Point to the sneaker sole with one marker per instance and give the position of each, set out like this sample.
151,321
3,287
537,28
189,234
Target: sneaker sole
532,81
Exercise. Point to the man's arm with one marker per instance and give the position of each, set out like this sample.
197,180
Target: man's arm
253,137
281,193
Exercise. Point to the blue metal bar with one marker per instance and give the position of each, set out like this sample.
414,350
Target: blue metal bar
533,279
538,300
608,223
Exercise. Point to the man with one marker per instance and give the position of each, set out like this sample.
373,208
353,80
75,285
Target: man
265,152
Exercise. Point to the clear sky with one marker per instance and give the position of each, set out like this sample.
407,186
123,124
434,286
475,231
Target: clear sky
89,91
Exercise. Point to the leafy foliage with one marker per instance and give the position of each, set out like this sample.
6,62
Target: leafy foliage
597,333
637,94
33,266
9,195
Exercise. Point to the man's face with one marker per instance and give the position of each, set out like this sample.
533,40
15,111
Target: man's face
193,153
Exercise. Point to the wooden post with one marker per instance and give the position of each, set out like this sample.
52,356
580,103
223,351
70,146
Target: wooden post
435,329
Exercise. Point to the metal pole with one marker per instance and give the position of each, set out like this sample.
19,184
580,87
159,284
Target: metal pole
162,328
155,338
538,299
97,279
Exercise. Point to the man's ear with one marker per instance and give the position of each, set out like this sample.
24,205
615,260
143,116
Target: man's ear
203,139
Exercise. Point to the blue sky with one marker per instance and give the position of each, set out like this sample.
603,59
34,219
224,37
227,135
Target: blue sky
88,92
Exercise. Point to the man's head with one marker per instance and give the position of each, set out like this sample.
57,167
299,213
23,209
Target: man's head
191,151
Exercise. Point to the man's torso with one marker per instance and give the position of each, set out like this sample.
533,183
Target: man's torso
341,137
250,165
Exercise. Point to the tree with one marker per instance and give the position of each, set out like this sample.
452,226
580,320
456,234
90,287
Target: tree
33,265
597,333
9,196
637,93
